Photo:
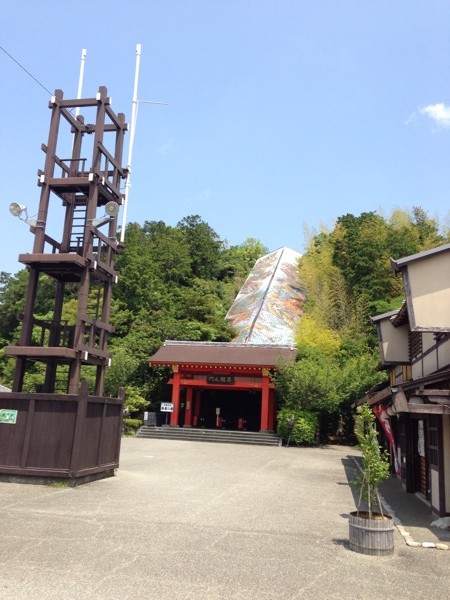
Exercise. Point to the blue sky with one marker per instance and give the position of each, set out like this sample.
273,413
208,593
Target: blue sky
281,115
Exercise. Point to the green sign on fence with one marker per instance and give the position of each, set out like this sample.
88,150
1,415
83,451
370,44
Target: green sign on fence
8,416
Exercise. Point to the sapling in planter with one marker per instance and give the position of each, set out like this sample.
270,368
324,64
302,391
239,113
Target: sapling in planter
375,461
370,532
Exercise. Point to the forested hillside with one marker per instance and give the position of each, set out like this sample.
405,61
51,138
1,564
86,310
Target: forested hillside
348,278
178,283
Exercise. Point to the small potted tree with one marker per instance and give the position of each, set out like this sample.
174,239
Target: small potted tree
371,531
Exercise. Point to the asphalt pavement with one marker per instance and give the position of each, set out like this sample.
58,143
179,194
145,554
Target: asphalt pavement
194,521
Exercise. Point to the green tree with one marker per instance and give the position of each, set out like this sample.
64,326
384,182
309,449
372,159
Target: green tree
427,229
298,426
204,246
238,261
311,384
169,251
362,255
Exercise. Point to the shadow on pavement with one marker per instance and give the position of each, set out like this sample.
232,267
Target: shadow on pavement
351,471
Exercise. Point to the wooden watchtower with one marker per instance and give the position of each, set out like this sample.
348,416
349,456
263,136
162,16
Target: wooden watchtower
62,430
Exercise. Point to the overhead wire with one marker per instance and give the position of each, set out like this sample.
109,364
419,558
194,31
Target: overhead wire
26,70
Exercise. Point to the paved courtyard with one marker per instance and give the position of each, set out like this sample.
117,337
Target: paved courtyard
186,520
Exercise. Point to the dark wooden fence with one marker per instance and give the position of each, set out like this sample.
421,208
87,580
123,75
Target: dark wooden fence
60,435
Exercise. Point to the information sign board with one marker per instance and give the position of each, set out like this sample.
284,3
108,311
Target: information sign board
8,416
220,379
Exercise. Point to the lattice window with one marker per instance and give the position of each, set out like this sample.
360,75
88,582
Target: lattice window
415,344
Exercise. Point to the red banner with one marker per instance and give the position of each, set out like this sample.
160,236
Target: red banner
380,411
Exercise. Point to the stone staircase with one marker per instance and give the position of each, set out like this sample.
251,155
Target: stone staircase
218,436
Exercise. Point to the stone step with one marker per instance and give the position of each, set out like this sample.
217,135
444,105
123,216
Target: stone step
201,434
210,435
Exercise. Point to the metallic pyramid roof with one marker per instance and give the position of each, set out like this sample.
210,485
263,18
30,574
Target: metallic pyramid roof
269,303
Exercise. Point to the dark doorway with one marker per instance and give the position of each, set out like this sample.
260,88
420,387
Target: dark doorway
229,409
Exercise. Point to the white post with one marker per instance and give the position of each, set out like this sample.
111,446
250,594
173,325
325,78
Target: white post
80,80
79,92
130,145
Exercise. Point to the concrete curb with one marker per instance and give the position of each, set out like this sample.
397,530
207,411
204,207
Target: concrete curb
407,536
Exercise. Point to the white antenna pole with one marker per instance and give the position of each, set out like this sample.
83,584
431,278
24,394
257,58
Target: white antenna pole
80,80
130,145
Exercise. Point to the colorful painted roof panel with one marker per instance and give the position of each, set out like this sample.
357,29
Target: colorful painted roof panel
269,304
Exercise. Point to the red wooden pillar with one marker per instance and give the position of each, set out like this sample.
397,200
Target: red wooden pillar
271,410
189,408
175,415
265,401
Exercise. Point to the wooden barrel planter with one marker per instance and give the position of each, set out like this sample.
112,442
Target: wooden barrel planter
371,536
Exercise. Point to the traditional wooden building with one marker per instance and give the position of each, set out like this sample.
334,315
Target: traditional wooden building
222,384
414,406
228,385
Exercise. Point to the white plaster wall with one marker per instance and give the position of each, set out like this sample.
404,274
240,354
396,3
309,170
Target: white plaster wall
416,370
429,281
428,341
430,363
394,344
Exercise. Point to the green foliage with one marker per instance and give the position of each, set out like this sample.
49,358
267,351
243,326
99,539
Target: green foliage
363,246
204,246
122,370
134,402
313,334
7,366
130,426
237,261
427,229
361,253
301,426
327,291
375,460
309,384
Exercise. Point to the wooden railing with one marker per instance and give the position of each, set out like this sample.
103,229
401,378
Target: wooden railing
103,250
95,337
57,334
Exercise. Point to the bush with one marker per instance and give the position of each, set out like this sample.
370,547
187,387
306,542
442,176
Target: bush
134,402
301,425
130,426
